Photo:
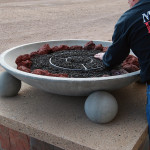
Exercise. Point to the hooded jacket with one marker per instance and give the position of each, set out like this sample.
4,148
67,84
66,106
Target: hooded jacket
132,31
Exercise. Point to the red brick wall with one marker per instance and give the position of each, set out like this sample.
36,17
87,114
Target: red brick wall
13,140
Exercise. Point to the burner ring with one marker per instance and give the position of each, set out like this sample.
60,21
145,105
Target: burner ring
74,59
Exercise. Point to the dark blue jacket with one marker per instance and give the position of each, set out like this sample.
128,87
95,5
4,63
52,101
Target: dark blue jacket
132,31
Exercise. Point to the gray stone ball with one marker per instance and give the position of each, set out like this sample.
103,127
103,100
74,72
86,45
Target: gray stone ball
9,85
101,107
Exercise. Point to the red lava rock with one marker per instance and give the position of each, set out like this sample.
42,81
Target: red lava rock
63,47
115,72
22,58
130,68
40,72
76,47
23,68
55,48
60,48
131,60
99,47
33,54
89,46
26,63
45,49
105,49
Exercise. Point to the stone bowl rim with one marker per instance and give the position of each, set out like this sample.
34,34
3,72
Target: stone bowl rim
15,70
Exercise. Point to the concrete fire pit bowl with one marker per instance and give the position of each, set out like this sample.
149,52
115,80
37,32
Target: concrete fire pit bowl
60,85
100,106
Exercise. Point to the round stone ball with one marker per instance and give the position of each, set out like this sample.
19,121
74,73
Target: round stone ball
9,85
101,107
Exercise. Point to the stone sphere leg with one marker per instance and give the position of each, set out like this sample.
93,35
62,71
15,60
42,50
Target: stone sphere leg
9,85
101,107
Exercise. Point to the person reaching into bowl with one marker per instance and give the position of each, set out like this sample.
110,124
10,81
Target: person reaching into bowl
132,31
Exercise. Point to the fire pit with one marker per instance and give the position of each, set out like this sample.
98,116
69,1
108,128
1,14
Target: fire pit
100,107
64,86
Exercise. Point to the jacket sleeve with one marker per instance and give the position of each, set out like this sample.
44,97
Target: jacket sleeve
119,49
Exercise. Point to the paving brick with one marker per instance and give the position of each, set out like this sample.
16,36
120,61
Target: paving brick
4,138
18,141
13,140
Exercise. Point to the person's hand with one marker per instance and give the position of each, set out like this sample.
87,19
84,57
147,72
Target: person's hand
99,56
